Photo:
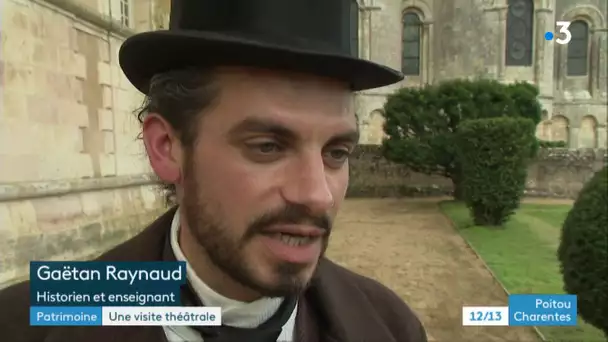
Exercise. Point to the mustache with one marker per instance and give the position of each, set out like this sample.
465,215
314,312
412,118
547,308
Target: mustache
291,214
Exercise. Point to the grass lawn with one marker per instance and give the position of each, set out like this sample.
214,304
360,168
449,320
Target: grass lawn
523,255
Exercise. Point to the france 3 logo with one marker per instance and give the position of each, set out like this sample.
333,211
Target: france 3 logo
564,33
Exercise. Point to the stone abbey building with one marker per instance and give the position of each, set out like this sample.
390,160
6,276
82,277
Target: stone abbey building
434,40
73,176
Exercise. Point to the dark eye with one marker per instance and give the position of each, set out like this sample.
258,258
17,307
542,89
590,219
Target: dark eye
336,158
339,154
267,147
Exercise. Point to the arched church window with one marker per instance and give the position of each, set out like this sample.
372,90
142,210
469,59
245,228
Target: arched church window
578,49
520,32
412,38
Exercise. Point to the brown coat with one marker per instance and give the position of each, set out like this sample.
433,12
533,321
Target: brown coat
339,306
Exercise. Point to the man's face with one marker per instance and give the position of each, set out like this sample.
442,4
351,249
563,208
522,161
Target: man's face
264,181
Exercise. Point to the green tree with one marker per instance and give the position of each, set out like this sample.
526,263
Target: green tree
494,155
583,251
420,123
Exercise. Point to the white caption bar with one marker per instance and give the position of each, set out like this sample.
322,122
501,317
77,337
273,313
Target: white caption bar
485,315
156,315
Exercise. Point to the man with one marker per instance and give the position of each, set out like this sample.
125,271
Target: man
249,119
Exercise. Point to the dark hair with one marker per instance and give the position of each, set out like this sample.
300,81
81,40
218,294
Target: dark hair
180,97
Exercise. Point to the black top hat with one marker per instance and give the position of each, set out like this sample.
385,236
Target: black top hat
311,36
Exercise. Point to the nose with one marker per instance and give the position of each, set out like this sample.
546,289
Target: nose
307,184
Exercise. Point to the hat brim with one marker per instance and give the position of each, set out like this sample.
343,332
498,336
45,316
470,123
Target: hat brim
146,54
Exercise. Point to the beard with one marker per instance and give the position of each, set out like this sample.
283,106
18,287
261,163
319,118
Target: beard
227,251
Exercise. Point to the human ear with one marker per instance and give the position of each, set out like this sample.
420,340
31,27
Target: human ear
163,148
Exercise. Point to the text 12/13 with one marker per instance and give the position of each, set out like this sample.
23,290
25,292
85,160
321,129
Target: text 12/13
485,315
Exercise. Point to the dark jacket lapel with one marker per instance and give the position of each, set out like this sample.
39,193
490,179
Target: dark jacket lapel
338,310
146,246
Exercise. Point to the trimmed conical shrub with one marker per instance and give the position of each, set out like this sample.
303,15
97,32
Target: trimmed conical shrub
583,251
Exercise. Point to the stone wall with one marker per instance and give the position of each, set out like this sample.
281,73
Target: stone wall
556,173
563,172
65,100
72,173
70,220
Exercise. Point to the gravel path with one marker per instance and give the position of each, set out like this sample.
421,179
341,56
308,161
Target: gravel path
408,245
